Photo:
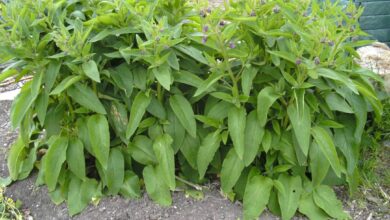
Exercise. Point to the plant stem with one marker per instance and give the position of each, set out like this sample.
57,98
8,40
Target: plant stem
197,187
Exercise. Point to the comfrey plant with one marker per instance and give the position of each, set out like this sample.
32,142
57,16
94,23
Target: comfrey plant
263,95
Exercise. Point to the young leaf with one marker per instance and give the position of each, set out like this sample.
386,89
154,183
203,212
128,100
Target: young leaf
183,111
75,158
236,124
54,158
116,171
231,170
253,136
207,150
99,136
325,198
165,157
327,147
256,196
290,195
138,108
86,97
265,99
91,70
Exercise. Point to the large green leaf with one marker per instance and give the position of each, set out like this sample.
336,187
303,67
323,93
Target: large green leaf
192,52
189,149
75,158
74,200
236,125
86,98
207,150
54,158
301,123
156,189
253,136
310,209
337,76
131,185
141,150
138,108
99,136
183,111
232,167
248,74
15,158
115,171
289,197
325,198
265,99
166,159
163,76
257,193
319,165
91,70
325,142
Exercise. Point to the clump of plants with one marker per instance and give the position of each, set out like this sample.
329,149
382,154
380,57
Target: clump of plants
9,209
263,95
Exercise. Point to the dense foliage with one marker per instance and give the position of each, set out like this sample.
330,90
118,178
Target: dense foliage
264,95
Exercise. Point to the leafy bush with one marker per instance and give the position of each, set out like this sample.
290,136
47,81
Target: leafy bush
264,95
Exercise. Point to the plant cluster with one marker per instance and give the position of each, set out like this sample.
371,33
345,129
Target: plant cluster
9,209
265,95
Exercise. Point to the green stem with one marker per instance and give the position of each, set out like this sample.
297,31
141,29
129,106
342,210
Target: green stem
197,187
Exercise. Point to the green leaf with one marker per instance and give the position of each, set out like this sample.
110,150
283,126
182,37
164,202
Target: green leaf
166,159
232,168
290,195
55,157
174,128
131,186
75,158
99,136
163,76
247,77
256,196
74,201
141,150
21,105
183,111
319,165
207,150
15,158
310,209
41,105
236,124
337,76
265,99
325,198
138,108
337,103
65,83
189,149
208,83
157,109
253,136
116,171
325,142
123,78
301,124
86,98
192,52
157,190
51,74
